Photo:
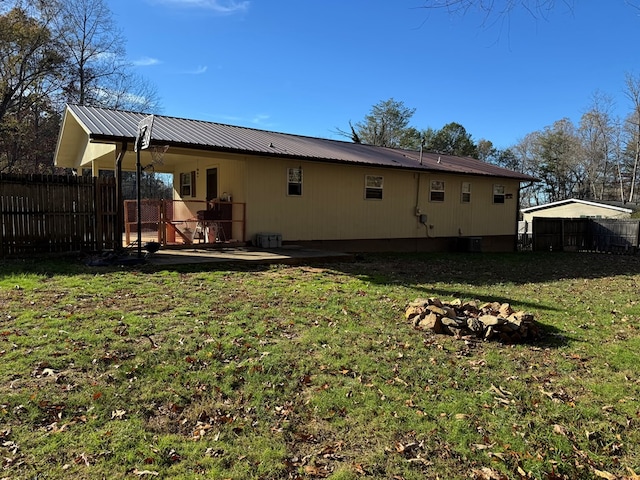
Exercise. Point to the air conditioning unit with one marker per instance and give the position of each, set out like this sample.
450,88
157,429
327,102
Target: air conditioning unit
268,240
475,244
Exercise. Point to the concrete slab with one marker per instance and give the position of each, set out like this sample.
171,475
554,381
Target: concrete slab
284,255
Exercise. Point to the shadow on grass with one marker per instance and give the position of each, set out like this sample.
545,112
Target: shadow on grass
447,275
479,269
472,269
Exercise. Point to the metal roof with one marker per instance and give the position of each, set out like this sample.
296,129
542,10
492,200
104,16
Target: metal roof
105,125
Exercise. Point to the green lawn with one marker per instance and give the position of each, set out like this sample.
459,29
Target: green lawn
312,371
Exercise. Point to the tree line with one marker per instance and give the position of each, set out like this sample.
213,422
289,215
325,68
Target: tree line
597,158
54,52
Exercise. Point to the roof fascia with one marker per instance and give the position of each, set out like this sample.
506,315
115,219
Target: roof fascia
575,200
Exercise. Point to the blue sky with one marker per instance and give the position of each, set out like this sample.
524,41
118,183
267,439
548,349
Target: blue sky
309,67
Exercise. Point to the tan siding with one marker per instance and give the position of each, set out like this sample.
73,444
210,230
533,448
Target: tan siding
333,206
479,217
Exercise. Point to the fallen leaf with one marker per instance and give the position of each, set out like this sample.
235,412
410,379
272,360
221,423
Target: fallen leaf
560,430
141,473
633,475
119,414
487,473
359,469
500,391
603,474
315,471
482,446
497,455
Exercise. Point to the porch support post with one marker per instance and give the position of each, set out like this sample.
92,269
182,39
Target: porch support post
139,194
119,227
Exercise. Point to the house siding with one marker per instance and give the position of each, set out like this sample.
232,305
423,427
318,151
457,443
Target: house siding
333,205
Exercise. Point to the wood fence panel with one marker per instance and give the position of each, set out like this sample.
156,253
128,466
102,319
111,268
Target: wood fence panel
614,235
54,213
580,234
547,234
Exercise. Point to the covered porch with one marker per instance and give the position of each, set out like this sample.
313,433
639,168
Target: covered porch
171,224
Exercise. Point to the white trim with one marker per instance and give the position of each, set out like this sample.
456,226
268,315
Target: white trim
575,200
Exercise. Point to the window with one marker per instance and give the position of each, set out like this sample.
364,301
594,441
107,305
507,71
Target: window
498,194
294,181
188,184
437,191
373,187
466,192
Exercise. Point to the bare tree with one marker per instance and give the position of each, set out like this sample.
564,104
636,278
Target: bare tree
97,70
524,152
555,160
632,91
493,9
597,134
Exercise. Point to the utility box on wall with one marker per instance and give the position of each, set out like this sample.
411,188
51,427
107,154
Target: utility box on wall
268,240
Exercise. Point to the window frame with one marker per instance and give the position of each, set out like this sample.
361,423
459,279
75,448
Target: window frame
439,191
188,184
294,183
465,192
499,198
373,190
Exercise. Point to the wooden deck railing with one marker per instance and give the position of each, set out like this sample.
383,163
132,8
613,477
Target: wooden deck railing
176,223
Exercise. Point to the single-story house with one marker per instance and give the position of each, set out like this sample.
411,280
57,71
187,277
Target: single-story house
308,191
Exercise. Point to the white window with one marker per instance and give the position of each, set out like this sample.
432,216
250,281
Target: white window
188,184
437,191
373,187
294,182
465,196
498,194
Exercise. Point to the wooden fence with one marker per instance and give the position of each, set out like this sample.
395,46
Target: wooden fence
586,234
53,213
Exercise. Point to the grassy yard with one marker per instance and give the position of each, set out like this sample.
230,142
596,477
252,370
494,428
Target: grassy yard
312,371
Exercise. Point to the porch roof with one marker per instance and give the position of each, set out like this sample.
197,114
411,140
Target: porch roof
108,126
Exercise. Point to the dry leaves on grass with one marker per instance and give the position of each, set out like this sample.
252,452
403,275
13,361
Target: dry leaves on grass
486,473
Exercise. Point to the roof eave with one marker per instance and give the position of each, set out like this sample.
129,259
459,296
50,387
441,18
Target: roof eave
217,148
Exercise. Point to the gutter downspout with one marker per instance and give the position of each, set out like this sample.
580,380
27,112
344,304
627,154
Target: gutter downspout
418,212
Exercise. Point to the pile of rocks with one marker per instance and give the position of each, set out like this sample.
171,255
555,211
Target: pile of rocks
488,321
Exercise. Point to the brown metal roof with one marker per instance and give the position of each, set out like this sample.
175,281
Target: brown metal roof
115,125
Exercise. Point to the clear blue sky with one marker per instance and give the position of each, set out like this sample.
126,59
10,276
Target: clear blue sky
309,66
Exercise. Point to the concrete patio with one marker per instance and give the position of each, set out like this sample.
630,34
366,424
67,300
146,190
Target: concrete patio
284,255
